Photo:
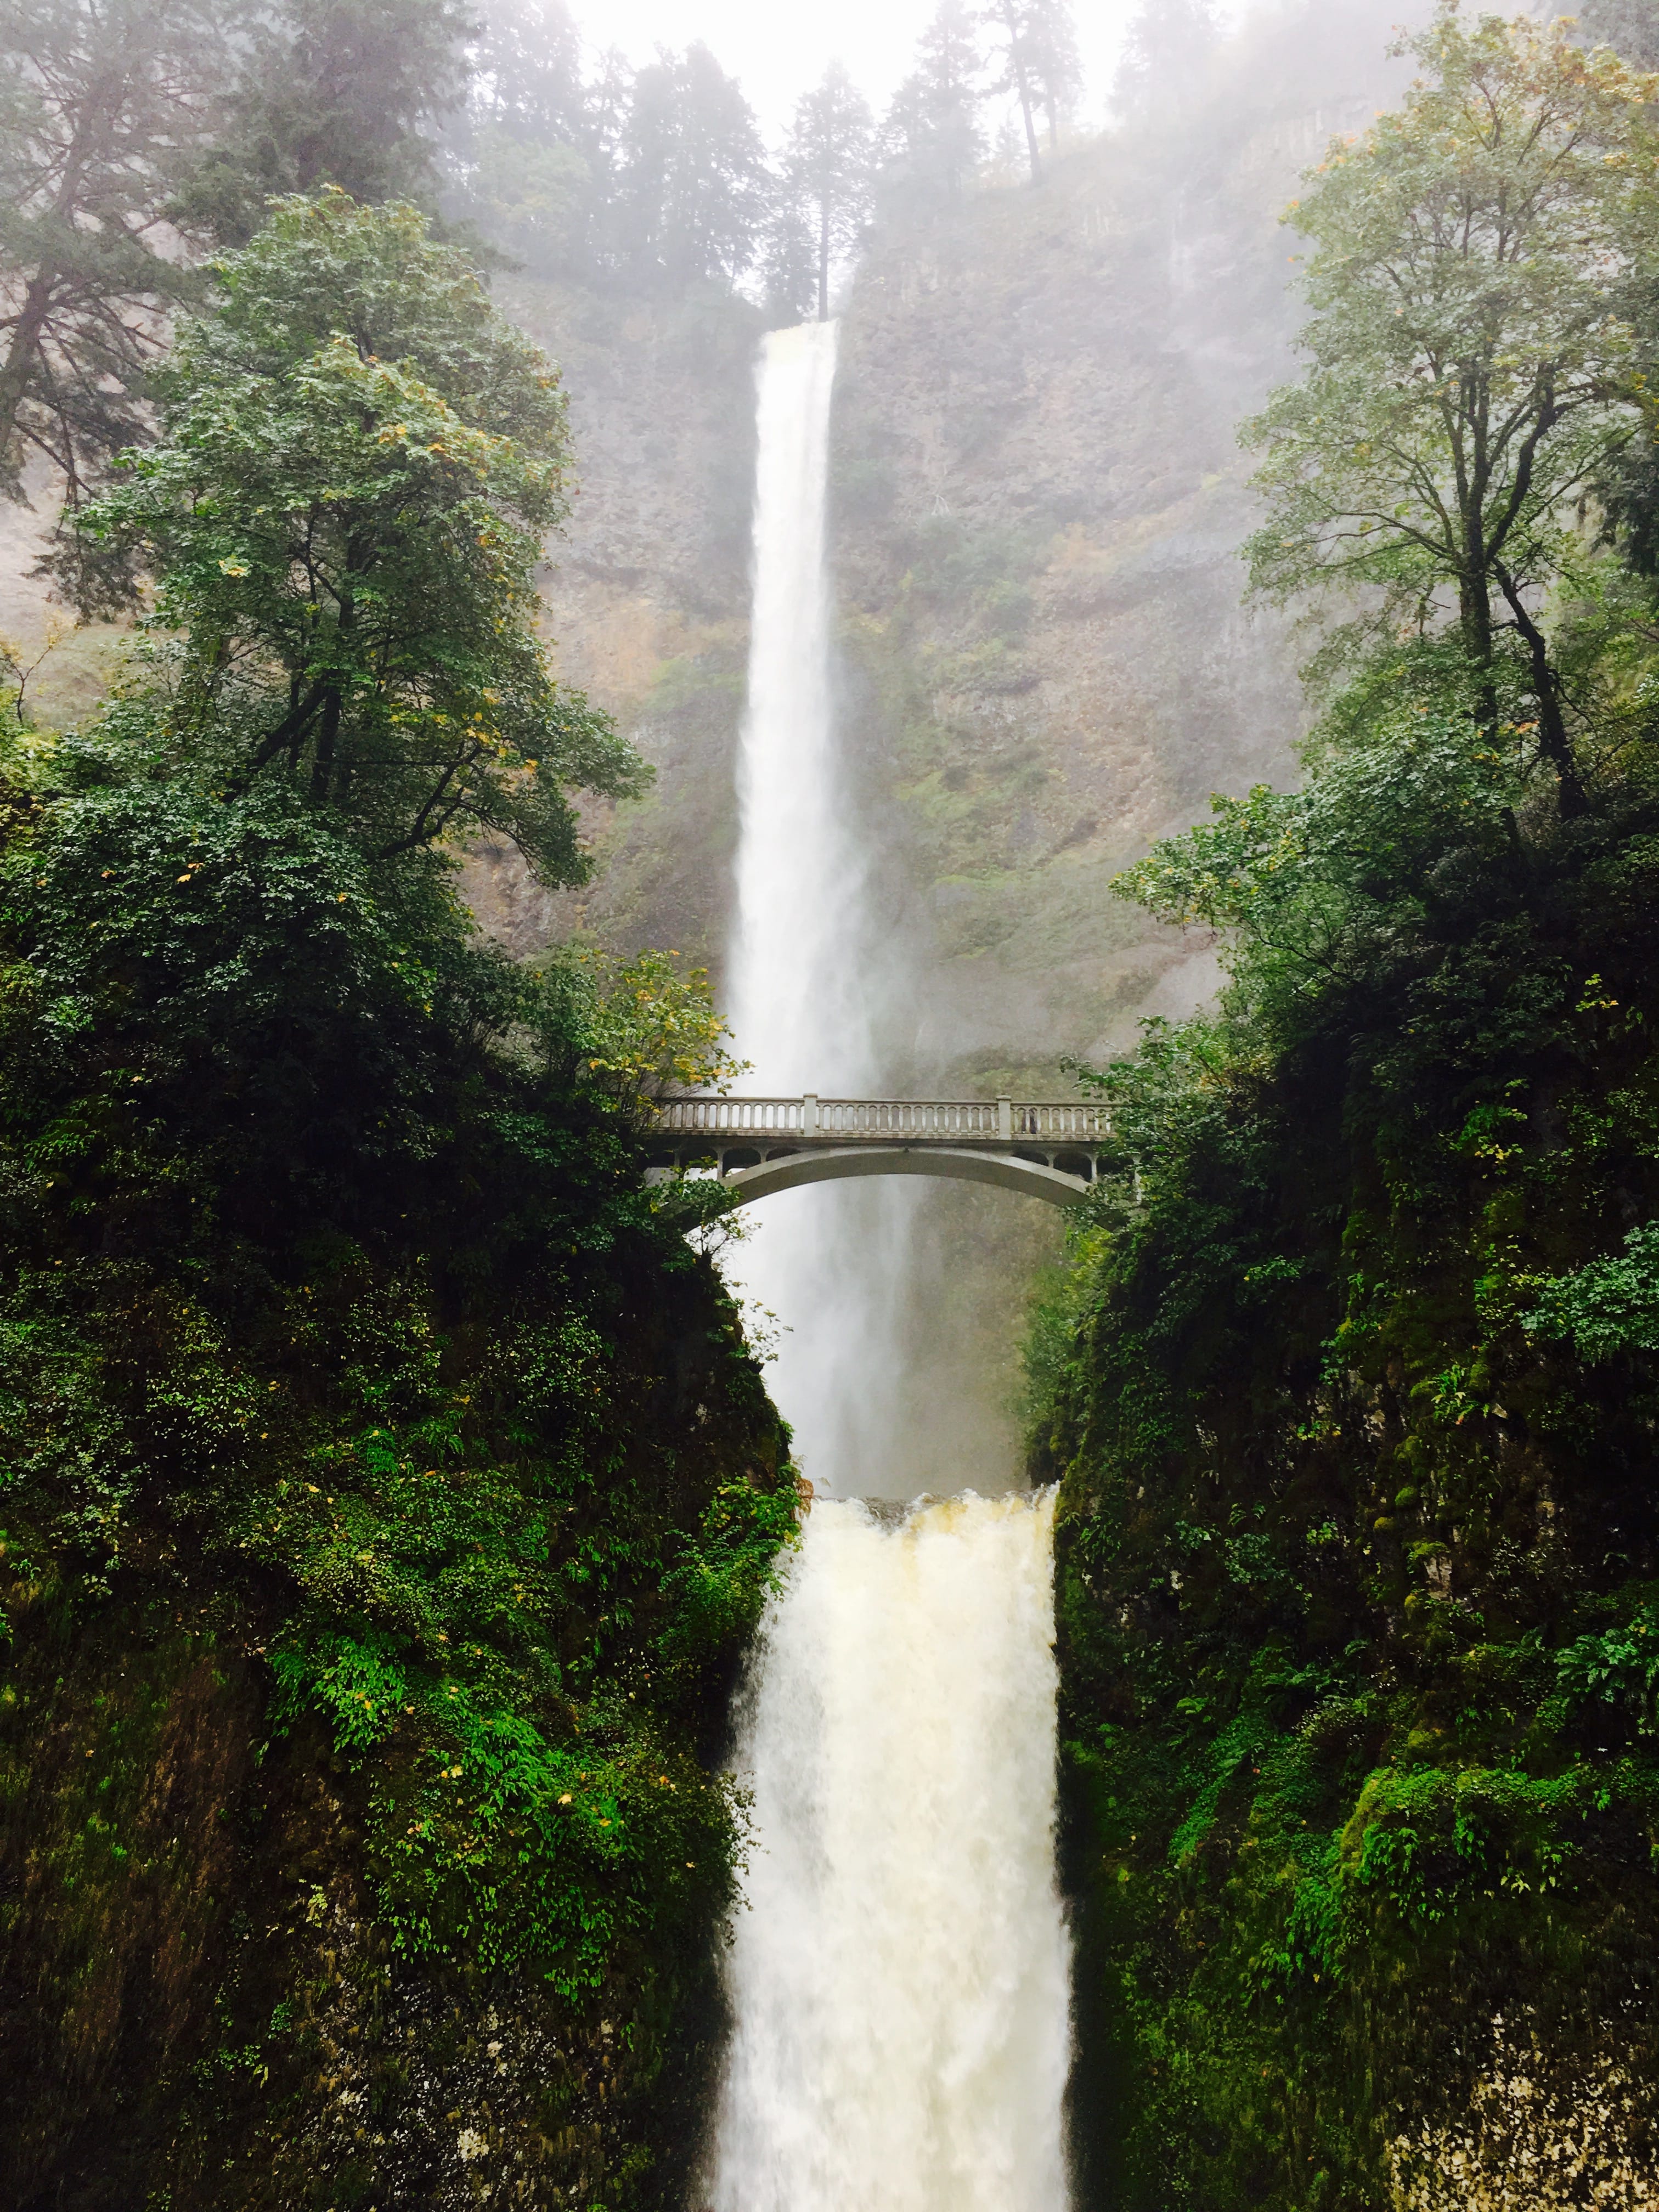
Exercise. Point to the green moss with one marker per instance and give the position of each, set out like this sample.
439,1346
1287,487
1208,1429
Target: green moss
1348,1392
388,1495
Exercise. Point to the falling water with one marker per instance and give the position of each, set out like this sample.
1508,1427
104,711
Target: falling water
898,1976
804,978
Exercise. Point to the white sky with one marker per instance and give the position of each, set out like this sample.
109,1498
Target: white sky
779,48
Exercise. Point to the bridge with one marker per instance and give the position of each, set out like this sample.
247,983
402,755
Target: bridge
760,1145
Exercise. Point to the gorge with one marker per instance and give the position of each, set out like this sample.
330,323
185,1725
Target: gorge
523,1685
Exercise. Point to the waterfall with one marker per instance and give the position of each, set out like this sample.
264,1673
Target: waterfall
900,1978
898,1974
806,966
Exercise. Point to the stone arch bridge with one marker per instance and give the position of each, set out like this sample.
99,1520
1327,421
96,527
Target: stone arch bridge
760,1145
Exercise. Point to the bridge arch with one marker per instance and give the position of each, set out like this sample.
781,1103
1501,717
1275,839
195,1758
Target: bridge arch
1031,1178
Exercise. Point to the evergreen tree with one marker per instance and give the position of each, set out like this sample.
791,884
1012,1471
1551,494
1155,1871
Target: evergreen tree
933,135
527,73
691,190
1039,64
103,100
1056,65
1630,27
524,155
334,92
827,172
1162,51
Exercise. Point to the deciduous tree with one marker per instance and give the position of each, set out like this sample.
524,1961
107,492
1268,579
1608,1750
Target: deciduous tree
343,515
1476,255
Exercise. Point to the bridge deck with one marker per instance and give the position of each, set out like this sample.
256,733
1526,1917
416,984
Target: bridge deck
994,1123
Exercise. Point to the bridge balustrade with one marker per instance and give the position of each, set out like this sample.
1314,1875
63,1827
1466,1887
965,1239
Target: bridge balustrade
811,1119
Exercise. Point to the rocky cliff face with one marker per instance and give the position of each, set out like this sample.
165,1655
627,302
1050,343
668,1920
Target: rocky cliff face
648,597
1040,500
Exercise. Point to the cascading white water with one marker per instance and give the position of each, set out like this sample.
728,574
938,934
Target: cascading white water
898,1977
803,974
798,1000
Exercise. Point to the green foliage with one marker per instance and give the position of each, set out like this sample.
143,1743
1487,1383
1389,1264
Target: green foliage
344,511
1613,1305
336,1319
330,92
388,1490
1353,1409
1350,1386
1479,257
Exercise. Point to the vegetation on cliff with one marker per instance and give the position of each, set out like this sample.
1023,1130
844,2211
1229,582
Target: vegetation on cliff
385,1492
1351,1385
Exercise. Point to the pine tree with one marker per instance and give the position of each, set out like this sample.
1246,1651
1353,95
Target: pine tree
932,136
103,100
1162,51
334,92
827,172
692,190
528,74
1039,64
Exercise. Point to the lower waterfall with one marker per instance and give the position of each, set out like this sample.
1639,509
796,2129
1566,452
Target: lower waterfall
900,1978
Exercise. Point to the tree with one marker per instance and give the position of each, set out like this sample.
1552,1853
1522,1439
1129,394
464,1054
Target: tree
1163,47
527,160
691,184
932,136
1056,66
826,172
1472,374
343,515
527,75
103,100
1630,27
1039,64
332,92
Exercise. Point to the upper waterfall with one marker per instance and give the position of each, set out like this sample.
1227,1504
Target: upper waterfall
798,1005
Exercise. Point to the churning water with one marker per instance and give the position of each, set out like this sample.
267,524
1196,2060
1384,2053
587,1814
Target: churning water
900,1978
898,1974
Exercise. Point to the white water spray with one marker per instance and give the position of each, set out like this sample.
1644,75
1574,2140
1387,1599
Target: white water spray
898,1978
805,963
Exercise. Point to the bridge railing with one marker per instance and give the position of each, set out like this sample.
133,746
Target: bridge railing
937,1121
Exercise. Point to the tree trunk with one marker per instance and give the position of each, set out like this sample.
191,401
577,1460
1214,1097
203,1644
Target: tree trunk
1553,735
1026,110
23,351
322,768
1474,619
823,260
